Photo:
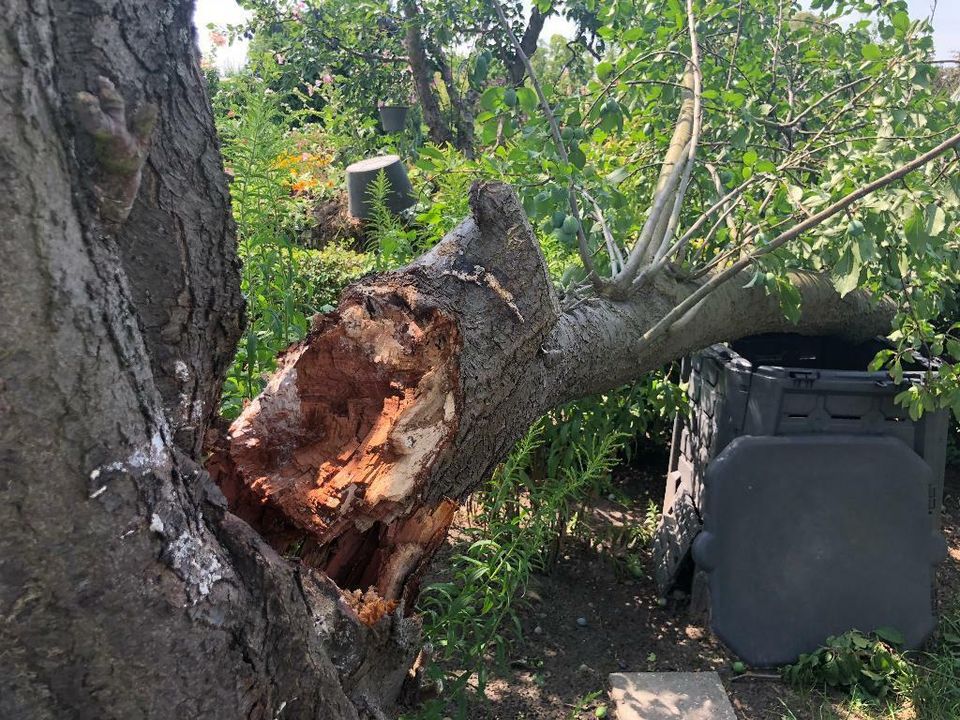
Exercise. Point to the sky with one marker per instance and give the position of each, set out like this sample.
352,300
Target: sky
946,27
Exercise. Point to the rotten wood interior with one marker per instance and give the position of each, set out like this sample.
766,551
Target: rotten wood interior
329,461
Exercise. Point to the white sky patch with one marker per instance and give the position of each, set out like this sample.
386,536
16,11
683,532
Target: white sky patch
221,12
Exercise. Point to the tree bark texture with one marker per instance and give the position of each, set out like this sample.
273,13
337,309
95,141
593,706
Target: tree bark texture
128,587
422,72
402,401
528,42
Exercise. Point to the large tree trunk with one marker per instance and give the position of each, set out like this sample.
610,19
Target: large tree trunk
126,590
411,392
127,587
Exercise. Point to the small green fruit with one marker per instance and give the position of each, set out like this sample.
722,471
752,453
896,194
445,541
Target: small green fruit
558,217
600,712
567,133
571,225
739,667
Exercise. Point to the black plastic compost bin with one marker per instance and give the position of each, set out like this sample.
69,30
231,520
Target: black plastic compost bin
801,501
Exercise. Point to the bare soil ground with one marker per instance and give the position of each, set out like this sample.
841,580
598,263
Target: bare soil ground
559,669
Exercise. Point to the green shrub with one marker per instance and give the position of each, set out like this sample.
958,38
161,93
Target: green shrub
471,617
324,273
271,192
854,661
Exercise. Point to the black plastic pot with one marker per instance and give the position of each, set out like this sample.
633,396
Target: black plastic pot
393,118
361,174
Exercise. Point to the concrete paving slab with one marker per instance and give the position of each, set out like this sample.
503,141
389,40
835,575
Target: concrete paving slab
670,696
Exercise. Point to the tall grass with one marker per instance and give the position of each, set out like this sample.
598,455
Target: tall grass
933,683
471,618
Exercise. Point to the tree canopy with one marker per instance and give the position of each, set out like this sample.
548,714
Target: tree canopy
710,136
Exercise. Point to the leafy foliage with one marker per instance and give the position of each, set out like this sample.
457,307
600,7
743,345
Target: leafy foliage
933,685
515,524
391,241
853,660
267,215
799,110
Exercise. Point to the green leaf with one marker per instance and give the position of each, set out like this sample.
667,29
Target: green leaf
577,157
617,176
491,98
890,635
749,157
527,99
604,70
880,359
790,300
936,220
915,229
871,52
847,270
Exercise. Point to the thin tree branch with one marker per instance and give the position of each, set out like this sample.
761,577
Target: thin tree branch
736,46
683,308
582,246
674,218
613,250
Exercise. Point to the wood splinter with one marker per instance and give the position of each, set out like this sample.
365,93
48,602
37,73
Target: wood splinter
328,463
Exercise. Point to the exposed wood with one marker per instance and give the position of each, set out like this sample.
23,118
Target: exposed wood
124,572
338,446
399,403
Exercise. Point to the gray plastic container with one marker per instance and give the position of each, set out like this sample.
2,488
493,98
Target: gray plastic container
360,176
393,118
785,435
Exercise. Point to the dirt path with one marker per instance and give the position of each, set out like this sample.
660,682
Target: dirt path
561,662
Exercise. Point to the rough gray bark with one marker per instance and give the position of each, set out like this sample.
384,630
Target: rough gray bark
528,43
126,590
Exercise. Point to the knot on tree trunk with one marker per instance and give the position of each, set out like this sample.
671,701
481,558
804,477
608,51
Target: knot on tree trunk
122,145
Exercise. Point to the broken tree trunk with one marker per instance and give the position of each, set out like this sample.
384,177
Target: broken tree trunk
403,400
128,589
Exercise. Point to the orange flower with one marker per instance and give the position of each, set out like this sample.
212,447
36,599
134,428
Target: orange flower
304,184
